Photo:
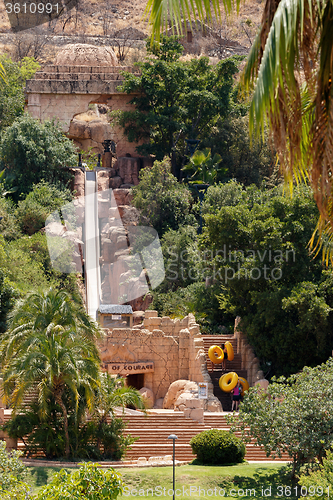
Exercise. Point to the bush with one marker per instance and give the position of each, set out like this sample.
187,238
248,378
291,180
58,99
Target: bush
12,475
33,211
318,483
88,483
218,447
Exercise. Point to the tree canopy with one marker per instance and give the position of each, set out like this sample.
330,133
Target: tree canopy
175,100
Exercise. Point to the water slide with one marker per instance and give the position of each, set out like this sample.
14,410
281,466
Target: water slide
92,270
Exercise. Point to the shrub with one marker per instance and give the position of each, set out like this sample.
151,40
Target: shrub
39,204
88,483
12,475
318,483
218,447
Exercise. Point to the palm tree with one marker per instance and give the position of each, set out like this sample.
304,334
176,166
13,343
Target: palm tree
113,393
52,361
289,70
50,346
204,167
37,312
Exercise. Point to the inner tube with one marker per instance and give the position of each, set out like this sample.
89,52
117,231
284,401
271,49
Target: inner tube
230,350
228,381
215,354
244,384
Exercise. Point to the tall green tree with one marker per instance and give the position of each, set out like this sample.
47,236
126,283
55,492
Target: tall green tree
175,100
162,201
255,245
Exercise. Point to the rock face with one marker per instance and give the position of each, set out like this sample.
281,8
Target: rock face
89,134
81,54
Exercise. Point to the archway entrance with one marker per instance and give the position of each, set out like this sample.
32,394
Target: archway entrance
136,380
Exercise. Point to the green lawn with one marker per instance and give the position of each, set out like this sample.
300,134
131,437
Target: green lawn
195,481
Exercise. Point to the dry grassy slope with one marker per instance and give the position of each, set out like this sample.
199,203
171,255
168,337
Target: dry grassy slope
90,18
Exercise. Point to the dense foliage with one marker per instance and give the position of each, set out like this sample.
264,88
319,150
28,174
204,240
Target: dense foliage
33,151
294,415
219,447
162,201
318,483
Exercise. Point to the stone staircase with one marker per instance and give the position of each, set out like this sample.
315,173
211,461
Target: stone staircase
215,371
153,431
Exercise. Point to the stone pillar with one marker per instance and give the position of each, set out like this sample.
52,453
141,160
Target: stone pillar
34,107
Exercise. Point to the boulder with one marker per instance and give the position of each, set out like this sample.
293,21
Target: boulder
176,389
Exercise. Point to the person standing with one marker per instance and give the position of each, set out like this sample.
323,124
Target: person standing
236,396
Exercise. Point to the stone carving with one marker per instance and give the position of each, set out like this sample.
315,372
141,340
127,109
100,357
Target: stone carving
81,54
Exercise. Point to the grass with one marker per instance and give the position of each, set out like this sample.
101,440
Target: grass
197,482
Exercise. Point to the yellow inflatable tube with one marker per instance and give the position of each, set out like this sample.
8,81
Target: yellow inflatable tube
215,354
228,381
244,384
230,351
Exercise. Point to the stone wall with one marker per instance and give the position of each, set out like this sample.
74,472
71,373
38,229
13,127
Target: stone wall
175,347
249,361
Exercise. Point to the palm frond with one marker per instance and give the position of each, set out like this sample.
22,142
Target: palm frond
160,12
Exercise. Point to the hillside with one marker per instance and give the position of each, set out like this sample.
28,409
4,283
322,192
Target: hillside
102,18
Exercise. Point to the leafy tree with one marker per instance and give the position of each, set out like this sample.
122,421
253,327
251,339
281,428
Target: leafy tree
289,70
318,482
294,415
248,161
35,151
12,98
162,201
175,100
